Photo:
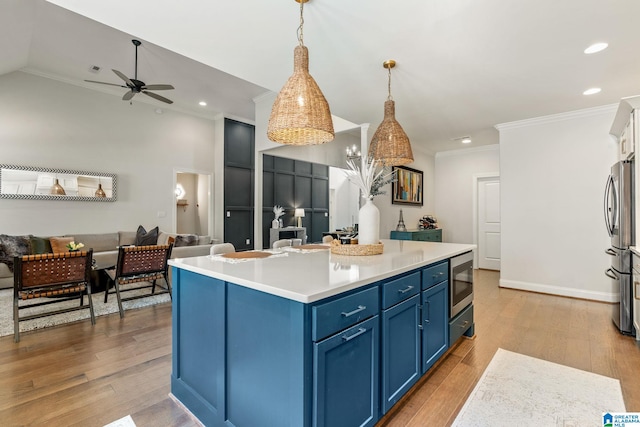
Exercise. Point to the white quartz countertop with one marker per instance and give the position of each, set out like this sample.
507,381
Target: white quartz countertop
312,276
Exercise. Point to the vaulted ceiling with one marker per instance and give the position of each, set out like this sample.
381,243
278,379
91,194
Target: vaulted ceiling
463,65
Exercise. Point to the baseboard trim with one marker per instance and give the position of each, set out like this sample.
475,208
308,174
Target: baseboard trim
559,290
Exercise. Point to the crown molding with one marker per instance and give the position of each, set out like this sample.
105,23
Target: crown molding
570,115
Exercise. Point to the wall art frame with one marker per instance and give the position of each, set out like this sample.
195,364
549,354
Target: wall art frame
408,186
34,183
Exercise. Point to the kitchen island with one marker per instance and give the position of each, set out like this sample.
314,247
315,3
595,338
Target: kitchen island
308,338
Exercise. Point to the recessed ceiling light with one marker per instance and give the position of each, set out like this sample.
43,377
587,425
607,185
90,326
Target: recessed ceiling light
592,91
596,47
159,111
466,140
202,103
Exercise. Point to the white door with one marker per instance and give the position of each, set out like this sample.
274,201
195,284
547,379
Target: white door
489,223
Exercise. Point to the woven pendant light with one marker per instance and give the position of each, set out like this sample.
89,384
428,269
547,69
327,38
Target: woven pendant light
300,114
57,190
390,144
100,192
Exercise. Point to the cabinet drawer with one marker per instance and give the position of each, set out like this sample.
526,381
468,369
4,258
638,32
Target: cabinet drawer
460,324
401,235
400,289
334,316
435,274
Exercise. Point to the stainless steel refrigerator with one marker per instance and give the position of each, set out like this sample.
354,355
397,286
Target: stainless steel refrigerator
618,213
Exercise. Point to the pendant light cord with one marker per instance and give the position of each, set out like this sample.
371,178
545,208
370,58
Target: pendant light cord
389,98
300,33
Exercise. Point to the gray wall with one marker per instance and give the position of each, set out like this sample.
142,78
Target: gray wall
47,123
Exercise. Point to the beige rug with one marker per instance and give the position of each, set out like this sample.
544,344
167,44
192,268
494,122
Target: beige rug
99,308
518,390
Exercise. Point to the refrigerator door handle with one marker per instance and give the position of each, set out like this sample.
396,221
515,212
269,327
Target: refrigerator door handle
611,252
612,275
607,216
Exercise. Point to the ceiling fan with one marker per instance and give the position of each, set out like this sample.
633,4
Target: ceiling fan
136,86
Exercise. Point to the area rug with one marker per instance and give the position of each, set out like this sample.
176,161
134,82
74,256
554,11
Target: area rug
518,390
99,308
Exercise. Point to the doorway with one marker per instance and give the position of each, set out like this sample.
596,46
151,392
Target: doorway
194,206
487,224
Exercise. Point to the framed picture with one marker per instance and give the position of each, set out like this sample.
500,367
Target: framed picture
408,187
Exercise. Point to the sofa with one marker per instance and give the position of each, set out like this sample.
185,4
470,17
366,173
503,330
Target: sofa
104,245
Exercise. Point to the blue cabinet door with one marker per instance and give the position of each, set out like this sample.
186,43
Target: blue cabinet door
435,324
198,341
400,350
345,377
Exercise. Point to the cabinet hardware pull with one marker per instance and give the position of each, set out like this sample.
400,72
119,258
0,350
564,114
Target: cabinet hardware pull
357,310
611,252
428,319
609,273
637,295
466,322
404,291
346,338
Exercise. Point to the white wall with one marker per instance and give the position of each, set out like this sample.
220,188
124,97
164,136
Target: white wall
454,172
390,213
553,172
47,123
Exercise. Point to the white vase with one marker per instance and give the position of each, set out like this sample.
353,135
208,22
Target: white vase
275,224
369,224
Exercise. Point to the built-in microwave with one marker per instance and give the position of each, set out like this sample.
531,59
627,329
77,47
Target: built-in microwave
460,283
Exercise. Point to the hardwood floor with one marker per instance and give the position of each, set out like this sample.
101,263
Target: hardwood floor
78,375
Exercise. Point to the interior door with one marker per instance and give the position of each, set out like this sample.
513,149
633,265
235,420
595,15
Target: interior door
489,223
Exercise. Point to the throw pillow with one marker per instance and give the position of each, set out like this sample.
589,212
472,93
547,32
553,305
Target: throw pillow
144,237
186,240
59,244
40,245
13,246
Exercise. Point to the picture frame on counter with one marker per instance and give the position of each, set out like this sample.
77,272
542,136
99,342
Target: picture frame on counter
408,186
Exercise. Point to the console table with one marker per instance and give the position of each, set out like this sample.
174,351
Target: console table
287,233
433,235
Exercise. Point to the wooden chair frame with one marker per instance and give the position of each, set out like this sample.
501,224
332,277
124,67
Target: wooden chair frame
143,265
65,276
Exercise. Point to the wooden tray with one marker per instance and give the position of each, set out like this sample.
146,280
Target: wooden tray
356,250
248,254
311,247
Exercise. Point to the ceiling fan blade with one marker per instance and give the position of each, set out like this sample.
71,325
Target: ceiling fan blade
104,83
158,87
127,96
123,77
158,97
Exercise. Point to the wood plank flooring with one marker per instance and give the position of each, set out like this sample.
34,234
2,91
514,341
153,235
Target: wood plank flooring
79,375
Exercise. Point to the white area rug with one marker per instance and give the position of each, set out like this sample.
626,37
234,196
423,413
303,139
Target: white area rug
99,308
122,422
518,390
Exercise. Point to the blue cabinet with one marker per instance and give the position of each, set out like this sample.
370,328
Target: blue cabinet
400,350
247,358
433,235
345,377
435,323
